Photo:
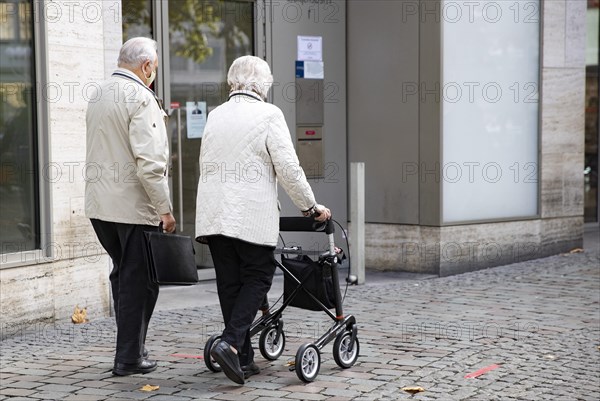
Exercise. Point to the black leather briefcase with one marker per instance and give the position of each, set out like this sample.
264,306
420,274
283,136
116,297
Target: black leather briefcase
171,258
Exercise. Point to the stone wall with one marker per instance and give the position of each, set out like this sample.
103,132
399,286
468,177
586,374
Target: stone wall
83,39
563,108
458,249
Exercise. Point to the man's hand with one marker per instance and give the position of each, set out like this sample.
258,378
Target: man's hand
168,222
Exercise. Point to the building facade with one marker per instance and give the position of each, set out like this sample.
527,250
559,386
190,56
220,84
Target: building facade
489,171
469,117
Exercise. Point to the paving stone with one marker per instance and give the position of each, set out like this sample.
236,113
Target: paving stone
62,388
49,395
428,333
93,383
89,376
196,394
308,396
97,391
85,397
17,392
235,397
132,395
33,372
60,380
120,399
61,373
170,398
16,399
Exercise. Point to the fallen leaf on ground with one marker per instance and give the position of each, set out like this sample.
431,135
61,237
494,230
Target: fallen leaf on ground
572,251
290,363
150,387
79,315
413,389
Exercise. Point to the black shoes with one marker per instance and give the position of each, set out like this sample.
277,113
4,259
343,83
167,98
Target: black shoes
229,362
250,370
126,369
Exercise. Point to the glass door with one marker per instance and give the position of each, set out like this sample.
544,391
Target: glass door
198,40
204,37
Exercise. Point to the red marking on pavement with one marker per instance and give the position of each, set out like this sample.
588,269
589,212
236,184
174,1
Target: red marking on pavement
188,356
481,371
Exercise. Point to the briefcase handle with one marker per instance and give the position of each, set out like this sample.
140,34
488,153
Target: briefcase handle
160,229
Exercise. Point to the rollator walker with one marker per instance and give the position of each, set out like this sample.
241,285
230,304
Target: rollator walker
311,285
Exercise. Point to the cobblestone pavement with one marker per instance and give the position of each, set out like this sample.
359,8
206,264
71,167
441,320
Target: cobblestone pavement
534,325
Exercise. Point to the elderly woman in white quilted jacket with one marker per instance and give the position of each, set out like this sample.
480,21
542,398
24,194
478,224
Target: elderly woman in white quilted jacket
246,150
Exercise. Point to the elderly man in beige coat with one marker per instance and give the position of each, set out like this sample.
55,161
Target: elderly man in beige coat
127,191
246,150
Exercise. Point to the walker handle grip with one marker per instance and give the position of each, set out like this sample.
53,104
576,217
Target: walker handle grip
305,224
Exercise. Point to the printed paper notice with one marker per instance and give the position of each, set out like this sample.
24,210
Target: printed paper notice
196,119
314,70
310,48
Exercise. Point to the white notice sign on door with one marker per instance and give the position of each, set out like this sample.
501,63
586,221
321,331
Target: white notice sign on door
196,119
314,70
310,48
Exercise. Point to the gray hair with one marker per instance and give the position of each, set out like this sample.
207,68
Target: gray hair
250,73
137,51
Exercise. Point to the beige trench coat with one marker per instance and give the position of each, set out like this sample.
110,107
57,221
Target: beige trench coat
127,153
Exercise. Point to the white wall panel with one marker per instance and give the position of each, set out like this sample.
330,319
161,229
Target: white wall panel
490,107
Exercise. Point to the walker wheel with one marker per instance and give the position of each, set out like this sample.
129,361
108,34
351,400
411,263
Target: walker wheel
345,352
270,349
210,362
308,362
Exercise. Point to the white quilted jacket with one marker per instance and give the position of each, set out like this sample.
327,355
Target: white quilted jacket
246,150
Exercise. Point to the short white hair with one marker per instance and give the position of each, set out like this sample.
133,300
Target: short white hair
250,73
136,51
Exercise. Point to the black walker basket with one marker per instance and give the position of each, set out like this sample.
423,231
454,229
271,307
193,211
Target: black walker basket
315,278
311,285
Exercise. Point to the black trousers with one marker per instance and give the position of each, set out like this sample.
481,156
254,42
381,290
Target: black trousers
134,295
244,276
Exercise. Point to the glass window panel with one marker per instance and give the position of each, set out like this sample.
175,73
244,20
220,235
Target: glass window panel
25,31
137,19
7,20
490,109
592,108
19,210
204,38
